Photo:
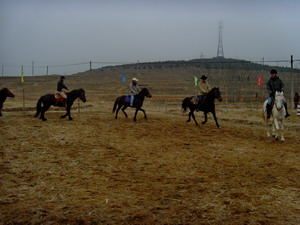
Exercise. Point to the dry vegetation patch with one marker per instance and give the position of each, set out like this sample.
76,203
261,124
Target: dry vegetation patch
98,170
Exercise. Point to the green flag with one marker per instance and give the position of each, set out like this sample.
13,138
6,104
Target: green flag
196,80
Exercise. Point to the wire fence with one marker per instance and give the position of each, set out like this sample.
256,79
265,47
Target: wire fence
35,69
237,85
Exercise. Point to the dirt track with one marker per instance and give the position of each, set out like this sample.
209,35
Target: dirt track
98,170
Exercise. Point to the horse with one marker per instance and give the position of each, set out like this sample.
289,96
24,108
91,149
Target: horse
47,100
208,105
278,115
4,93
124,101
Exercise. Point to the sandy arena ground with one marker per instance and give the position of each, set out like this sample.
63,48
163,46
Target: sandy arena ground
98,170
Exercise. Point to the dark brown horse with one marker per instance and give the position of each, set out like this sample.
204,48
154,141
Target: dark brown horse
208,105
4,93
46,101
124,102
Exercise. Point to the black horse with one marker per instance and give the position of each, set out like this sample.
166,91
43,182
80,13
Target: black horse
124,101
46,101
4,93
208,105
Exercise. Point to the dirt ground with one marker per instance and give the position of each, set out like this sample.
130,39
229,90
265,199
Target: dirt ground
98,170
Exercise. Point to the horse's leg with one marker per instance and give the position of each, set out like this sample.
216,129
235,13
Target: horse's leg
43,110
145,116
117,111
189,119
275,128
64,116
215,118
135,114
123,110
269,128
69,113
193,116
205,118
281,130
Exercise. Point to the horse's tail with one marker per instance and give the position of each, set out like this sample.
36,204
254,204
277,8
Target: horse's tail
185,103
38,107
115,105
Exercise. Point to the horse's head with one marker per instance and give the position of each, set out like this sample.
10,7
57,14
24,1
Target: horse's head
216,93
8,93
82,95
279,100
145,92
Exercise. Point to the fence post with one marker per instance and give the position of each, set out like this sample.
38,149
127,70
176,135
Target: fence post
32,68
292,82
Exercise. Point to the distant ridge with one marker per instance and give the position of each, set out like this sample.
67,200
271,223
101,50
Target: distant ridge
207,63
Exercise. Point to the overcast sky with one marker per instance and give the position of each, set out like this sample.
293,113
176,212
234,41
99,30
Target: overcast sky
60,32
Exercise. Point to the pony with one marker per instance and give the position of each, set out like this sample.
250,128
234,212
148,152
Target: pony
207,105
47,100
124,101
278,115
4,93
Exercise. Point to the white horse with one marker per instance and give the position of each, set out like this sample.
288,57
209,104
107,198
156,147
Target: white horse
278,115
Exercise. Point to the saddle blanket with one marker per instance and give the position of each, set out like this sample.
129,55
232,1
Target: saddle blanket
58,97
129,99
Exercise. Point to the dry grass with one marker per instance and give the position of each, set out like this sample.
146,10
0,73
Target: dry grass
98,170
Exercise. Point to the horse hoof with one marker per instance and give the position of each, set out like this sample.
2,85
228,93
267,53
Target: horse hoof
188,121
70,118
44,119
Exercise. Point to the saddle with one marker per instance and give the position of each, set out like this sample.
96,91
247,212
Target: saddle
59,100
198,100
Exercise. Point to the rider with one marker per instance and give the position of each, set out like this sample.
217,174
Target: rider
203,89
274,84
134,89
61,88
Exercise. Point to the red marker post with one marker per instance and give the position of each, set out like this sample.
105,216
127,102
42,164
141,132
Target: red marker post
259,81
259,84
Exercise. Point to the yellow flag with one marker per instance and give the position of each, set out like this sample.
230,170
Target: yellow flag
22,76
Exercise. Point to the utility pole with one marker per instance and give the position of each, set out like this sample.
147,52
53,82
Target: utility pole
220,52
90,65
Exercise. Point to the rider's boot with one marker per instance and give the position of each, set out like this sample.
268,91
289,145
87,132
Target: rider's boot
287,114
269,110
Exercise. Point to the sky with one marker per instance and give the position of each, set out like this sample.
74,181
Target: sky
55,33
